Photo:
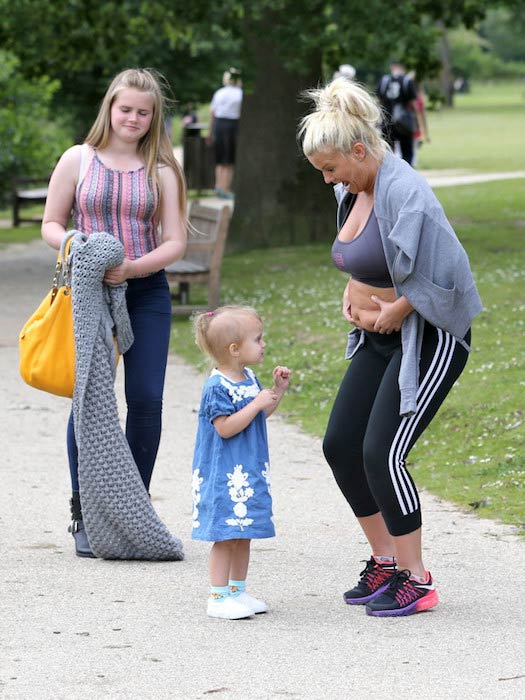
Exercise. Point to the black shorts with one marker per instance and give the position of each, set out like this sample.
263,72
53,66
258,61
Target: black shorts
225,140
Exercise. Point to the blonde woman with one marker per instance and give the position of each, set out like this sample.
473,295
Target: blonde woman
125,181
411,299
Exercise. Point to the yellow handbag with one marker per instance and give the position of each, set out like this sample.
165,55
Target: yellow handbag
47,342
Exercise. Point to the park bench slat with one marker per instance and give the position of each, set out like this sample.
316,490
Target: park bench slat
203,258
24,194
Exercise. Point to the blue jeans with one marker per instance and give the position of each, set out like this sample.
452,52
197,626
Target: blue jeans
149,307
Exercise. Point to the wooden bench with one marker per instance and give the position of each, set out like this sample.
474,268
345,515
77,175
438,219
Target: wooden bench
24,193
202,260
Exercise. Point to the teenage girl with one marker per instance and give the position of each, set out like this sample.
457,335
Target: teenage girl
124,180
232,501
411,298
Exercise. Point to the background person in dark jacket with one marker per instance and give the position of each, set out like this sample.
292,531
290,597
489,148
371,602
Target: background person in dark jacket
396,88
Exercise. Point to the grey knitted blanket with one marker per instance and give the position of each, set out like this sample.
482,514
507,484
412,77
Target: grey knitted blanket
118,516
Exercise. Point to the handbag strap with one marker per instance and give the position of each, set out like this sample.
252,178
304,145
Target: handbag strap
66,245
65,254
63,265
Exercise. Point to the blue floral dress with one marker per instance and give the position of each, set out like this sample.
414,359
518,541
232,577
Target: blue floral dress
231,487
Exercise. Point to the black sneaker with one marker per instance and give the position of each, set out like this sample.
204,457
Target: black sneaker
404,596
375,579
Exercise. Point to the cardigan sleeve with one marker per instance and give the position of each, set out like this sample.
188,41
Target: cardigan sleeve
406,236
431,269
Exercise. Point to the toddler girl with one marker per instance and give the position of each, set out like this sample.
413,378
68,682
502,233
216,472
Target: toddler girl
232,501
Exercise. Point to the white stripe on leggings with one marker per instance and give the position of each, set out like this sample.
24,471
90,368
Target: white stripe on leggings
403,487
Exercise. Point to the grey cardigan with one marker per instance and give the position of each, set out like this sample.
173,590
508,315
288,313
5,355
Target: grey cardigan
427,264
120,520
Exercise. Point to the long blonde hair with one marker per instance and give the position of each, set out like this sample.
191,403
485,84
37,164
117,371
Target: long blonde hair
155,147
344,113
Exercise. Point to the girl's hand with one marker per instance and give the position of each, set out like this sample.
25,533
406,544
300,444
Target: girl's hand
392,314
266,399
120,273
281,377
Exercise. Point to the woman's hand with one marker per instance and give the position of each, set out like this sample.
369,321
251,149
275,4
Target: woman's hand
120,273
391,315
347,306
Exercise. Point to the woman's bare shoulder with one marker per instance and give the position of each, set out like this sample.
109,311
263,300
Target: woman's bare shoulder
70,160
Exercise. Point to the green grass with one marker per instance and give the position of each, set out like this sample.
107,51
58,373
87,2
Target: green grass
474,452
483,132
22,234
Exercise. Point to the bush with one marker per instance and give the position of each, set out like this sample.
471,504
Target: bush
473,58
30,143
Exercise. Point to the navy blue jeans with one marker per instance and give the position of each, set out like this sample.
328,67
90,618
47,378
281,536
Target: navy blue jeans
149,307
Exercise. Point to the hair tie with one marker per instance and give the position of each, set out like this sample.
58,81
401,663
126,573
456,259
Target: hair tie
209,313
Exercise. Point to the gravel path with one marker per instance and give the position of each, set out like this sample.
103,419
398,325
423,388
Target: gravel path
93,629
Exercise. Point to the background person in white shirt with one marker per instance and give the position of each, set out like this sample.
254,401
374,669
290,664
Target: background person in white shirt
225,113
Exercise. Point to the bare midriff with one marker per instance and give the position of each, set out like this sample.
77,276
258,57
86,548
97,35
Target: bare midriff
363,310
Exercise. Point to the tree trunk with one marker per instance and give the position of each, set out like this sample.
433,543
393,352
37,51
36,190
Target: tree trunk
280,198
447,83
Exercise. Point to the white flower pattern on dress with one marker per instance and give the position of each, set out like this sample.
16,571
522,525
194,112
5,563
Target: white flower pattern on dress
196,482
240,491
266,474
238,393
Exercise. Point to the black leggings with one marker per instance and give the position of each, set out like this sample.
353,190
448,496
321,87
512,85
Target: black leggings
367,441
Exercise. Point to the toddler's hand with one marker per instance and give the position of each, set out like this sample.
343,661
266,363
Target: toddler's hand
266,399
281,377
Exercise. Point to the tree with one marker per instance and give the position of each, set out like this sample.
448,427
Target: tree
82,44
280,198
288,47
285,47
503,29
29,141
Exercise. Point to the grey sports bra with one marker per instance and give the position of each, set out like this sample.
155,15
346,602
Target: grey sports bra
363,257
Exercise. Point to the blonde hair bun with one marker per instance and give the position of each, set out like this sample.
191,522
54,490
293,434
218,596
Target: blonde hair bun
344,113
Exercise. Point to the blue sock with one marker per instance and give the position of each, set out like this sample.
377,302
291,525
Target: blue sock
219,592
236,587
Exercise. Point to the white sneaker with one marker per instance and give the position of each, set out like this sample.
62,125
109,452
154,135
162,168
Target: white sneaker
228,608
257,606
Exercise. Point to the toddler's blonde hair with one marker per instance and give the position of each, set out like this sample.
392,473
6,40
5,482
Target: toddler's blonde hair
216,330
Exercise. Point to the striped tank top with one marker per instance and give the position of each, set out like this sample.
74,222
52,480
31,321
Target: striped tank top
117,202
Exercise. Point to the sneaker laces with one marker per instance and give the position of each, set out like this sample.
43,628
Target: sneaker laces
402,589
374,574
